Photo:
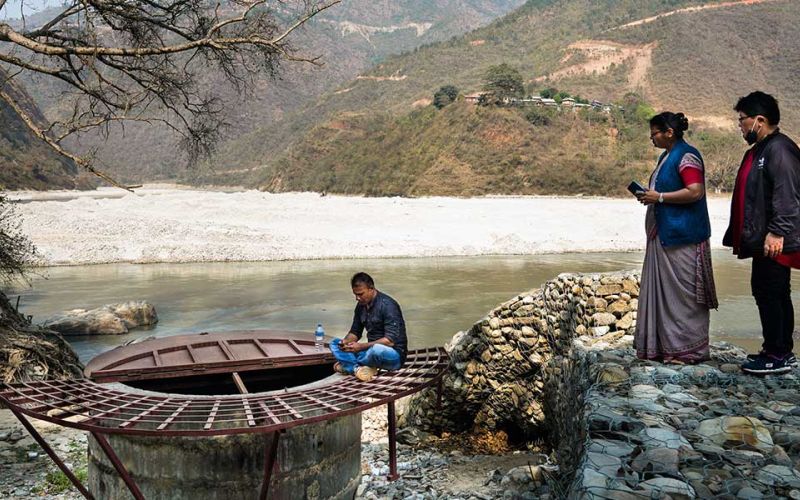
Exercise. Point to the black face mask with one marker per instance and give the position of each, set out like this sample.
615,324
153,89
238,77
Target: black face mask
752,136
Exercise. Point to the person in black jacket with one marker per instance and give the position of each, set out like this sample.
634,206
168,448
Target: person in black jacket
765,226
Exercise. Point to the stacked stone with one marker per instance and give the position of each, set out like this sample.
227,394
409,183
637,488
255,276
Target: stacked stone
595,305
496,377
703,431
620,427
491,381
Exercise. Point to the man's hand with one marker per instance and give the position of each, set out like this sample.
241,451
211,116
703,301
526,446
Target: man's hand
353,347
773,245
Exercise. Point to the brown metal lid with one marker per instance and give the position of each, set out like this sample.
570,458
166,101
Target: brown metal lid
207,353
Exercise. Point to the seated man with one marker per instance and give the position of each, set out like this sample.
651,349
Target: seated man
386,344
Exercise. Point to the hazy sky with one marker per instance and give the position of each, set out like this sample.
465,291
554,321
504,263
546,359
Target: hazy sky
12,10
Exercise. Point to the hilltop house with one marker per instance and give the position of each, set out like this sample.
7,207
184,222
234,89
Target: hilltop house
484,97
475,97
527,101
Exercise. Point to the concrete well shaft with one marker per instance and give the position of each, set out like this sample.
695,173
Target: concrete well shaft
314,461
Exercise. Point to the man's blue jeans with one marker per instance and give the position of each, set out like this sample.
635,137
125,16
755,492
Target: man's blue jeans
377,356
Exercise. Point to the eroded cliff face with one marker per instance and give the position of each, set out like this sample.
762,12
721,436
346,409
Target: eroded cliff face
26,162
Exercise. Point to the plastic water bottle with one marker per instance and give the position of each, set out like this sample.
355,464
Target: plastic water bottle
319,337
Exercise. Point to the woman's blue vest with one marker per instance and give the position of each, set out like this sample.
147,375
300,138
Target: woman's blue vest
679,224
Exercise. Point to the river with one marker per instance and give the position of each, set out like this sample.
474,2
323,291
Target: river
439,296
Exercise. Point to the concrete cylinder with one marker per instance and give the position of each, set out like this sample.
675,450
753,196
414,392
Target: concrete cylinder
314,461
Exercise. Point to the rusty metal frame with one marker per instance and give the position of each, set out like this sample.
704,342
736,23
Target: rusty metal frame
103,410
52,454
392,442
270,459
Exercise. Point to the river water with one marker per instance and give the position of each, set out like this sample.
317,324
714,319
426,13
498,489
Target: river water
439,296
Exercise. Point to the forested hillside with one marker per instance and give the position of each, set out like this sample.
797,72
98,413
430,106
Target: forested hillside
695,57
467,150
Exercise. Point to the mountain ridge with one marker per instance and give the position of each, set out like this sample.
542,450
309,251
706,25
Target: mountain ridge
141,152
681,55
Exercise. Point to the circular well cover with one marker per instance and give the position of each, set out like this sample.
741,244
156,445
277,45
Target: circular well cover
207,353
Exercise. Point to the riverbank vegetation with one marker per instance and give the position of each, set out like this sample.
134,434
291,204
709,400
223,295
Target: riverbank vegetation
27,352
594,50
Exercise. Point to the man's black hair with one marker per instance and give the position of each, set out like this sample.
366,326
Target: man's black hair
362,278
759,103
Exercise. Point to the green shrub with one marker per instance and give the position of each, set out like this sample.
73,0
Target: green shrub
58,482
504,81
538,117
444,96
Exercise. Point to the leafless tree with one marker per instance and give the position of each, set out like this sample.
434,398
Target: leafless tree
16,250
139,60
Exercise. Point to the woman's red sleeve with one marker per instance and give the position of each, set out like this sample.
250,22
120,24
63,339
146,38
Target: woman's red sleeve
691,176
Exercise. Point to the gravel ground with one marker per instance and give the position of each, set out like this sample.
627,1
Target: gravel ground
429,473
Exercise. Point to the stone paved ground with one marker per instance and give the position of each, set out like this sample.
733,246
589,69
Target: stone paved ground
439,469
703,431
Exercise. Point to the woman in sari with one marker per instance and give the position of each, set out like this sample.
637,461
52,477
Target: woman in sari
677,287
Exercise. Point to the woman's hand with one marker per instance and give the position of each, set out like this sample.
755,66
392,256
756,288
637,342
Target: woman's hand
649,197
689,194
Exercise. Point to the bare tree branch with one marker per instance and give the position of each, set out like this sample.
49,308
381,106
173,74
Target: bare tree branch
60,17
9,35
139,60
82,162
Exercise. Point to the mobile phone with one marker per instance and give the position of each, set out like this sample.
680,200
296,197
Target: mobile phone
635,188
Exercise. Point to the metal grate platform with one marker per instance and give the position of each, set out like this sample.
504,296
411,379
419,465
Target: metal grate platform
103,407
95,407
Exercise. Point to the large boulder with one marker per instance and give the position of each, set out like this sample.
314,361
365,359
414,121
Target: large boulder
111,319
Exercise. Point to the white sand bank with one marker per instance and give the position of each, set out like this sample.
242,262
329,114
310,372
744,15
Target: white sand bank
166,224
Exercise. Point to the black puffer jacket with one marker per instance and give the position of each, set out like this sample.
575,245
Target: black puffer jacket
772,197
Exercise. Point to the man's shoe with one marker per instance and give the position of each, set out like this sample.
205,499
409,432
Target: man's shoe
338,368
366,373
765,365
790,359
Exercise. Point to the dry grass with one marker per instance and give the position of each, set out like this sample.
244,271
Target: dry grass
30,353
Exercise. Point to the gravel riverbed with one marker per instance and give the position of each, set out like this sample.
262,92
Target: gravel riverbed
169,224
